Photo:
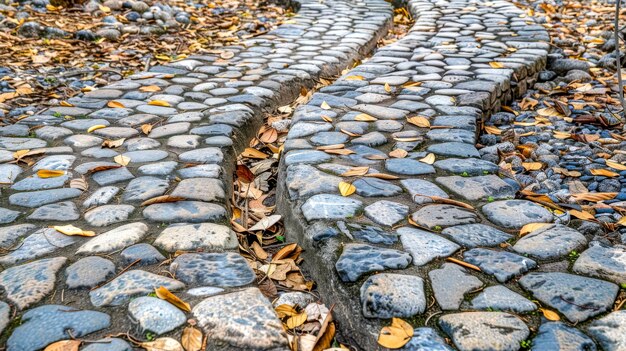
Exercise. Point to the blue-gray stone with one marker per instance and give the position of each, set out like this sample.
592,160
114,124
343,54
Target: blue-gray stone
478,188
609,331
373,234
143,188
425,246
8,216
212,269
184,211
408,166
46,324
450,283
514,214
108,344
60,211
550,241
433,216
89,272
130,284
559,336
38,244
304,180
603,262
155,315
426,339
500,298
112,176
43,197
206,155
306,156
502,264
474,235
387,213
374,187
393,295
359,259
29,283
420,190
471,166
146,253
454,149
472,331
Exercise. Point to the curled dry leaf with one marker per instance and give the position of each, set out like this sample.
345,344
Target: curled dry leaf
496,64
584,215
346,189
162,199
254,153
364,117
79,183
121,160
285,109
265,223
146,128
354,78
227,55
191,339
113,143
396,335
594,197
382,176
64,345
616,165
291,250
295,321
71,230
269,136
419,121
244,175
150,89
164,294
398,153
387,88
325,106
492,130
463,263
339,152
162,344
550,315
531,227
603,173
49,173
355,171
443,200
102,168
532,166
429,159
96,127
115,104
161,103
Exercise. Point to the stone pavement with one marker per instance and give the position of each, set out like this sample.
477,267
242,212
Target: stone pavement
207,108
401,129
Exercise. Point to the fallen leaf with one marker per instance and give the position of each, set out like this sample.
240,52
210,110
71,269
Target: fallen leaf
121,160
66,104
603,172
340,152
295,321
463,263
254,153
64,345
258,251
286,251
102,168
582,215
387,88
396,335
159,103
162,344
244,174
269,136
382,176
419,121
49,173
265,223
616,165
493,130
79,183
113,143
531,227
429,159
364,117
346,189
285,310
354,78
191,339
325,106
96,127
150,89
162,199
227,55
550,315
164,294
496,65
355,171
285,109
146,128
115,104
594,197
71,230
532,166
398,153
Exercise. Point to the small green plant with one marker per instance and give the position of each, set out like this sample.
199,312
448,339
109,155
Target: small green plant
573,255
622,285
526,344
465,174
152,294
150,336
280,238
490,199
485,172
437,228
57,114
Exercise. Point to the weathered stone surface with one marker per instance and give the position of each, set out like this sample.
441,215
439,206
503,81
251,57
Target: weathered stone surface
450,284
212,269
10,235
426,339
155,315
29,283
106,215
386,212
495,331
558,336
500,298
46,324
38,244
478,188
256,328
142,253
610,331
326,206
420,190
115,239
60,211
184,211
502,264
473,235
425,246
514,214
576,297
43,197
201,236
393,295
440,216
203,189
359,259
603,262
108,344
5,311
89,272
130,284
550,241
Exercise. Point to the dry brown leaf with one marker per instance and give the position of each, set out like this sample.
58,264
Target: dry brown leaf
121,160
96,127
227,55
354,78
64,345
146,128
364,117
622,221
66,104
396,335
347,132
331,147
550,315
339,152
295,321
603,172
616,165
49,173
79,183
594,197
382,176
164,294
531,227
161,103
113,143
162,199
254,153
429,159
493,130
269,136
102,168
191,339
532,166
463,263
286,251
346,189
115,104
355,171
582,215
70,230
387,88
150,88
285,109
162,344
398,153
419,121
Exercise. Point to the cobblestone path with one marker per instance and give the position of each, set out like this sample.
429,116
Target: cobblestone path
399,128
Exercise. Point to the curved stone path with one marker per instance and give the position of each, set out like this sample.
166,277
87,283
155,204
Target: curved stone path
431,232
184,145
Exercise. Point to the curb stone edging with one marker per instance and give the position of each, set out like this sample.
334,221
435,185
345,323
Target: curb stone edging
450,50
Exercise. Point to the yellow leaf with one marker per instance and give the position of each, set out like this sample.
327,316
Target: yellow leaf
603,172
104,9
71,230
549,112
496,65
227,55
191,339
20,153
532,166
121,160
398,153
49,173
387,88
550,315
562,135
66,104
159,103
346,189
150,88
64,345
594,197
96,127
254,153
285,109
146,128
429,159
115,104
327,119
325,106
354,78
622,221
419,121
164,294
296,321
616,165
396,335
162,344
364,117
285,310
493,130
411,84
582,215
355,171
531,227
